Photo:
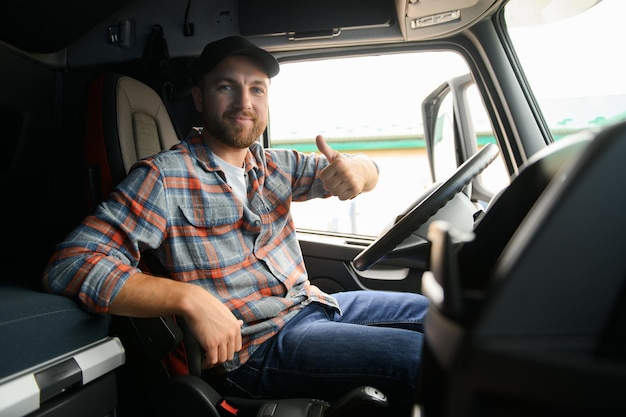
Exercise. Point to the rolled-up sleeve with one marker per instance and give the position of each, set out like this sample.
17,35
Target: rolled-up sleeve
99,255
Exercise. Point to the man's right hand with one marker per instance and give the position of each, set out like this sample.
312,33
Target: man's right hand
214,326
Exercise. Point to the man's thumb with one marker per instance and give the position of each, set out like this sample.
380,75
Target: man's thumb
323,147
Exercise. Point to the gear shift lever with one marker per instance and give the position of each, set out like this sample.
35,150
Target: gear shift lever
363,401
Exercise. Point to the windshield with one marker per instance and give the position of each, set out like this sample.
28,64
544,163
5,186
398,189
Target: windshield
572,59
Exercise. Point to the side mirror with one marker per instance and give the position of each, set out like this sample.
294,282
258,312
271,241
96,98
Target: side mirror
446,126
449,113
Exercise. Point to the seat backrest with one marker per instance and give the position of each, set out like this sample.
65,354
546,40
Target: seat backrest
507,210
127,121
549,327
570,250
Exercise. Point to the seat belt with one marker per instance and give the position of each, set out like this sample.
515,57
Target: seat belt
158,70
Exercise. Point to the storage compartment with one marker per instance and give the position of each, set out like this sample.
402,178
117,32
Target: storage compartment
56,358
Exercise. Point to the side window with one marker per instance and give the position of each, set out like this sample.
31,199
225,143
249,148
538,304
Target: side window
359,108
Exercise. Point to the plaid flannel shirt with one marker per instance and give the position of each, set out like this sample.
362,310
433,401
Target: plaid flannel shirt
178,204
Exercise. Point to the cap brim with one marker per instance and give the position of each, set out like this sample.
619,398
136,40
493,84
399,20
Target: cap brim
215,52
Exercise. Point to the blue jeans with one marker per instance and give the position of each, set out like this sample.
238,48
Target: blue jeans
377,341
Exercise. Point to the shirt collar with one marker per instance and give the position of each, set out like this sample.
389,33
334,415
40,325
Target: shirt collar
203,154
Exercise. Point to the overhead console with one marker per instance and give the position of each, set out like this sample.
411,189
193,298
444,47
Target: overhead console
273,22
426,19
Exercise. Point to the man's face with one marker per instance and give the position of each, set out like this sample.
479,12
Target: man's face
234,101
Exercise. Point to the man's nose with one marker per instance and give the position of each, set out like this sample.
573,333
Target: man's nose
242,99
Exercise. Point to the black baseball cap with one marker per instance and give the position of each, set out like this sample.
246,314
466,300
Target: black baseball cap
216,51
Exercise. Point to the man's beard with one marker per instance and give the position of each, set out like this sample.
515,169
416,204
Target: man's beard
235,136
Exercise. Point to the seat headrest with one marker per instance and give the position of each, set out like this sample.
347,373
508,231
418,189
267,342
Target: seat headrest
126,121
144,126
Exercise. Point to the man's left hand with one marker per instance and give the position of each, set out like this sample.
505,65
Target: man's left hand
347,175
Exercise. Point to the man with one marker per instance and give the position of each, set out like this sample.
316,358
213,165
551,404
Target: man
215,211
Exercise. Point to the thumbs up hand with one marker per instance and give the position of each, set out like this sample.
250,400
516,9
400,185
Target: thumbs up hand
347,175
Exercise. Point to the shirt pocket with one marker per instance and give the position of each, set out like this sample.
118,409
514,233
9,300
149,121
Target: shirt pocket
212,215
209,236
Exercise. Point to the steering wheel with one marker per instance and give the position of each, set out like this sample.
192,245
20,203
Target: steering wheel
421,211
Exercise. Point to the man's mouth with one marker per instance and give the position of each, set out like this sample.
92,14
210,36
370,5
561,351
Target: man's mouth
240,118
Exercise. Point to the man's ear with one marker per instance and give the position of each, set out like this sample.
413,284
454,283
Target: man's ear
198,100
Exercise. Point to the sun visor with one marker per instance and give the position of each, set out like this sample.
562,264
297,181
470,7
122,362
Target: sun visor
310,19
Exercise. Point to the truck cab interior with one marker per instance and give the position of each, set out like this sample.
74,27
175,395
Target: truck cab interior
526,283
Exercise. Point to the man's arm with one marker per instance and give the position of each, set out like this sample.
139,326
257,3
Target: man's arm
97,266
215,327
347,175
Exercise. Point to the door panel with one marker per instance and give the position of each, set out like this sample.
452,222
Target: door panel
328,261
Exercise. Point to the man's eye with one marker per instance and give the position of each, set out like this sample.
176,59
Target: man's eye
258,90
224,87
